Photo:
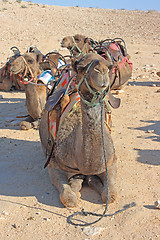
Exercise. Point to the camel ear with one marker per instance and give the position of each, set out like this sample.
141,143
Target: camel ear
114,102
39,58
86,40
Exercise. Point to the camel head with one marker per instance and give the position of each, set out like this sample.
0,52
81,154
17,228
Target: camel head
93,76
77,44
27,65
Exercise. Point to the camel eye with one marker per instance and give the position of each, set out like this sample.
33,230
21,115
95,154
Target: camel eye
96,70
30,61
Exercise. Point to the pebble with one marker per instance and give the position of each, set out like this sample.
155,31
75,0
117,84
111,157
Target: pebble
1,97
157,204
4,213
153,85
47,219
119,91
158,90
150,131
90,231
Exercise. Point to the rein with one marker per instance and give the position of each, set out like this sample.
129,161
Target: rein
95,94
83,213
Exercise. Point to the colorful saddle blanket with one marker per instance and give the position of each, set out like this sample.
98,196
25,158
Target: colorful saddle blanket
73,100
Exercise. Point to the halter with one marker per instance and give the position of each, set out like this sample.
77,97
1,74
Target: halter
75,45
27,67
96,94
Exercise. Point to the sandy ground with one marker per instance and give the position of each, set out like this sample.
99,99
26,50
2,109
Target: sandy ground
29,205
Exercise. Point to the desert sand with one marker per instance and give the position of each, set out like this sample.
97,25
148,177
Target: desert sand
29,205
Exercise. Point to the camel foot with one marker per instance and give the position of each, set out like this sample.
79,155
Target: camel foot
75,183
95,183
111,196
29,123
68,197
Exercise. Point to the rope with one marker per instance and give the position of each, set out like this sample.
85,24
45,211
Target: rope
75,45
83,213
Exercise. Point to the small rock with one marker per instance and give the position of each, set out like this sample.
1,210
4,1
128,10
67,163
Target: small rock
150,131
14,225
157,204
119,91
138,52
153,85
47,219
90,231
158,73
158,90
4,213
1,97
38,213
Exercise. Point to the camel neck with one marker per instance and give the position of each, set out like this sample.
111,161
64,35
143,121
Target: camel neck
91,147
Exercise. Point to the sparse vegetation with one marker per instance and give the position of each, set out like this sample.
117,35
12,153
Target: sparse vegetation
23,6
4,0
18,1
4,9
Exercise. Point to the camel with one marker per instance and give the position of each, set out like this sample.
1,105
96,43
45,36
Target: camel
113,50
77,152
27,65
30,66
7,79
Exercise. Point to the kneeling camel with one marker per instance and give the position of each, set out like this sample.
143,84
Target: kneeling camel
78,153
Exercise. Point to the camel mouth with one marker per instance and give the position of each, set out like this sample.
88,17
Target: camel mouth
100,87
62,44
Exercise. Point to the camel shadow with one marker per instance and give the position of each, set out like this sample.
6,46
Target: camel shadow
149,156
10,108
22,174
153,130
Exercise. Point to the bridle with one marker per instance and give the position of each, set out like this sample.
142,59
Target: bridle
24,80
75,46
97,95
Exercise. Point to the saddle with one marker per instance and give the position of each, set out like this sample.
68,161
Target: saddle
115,51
